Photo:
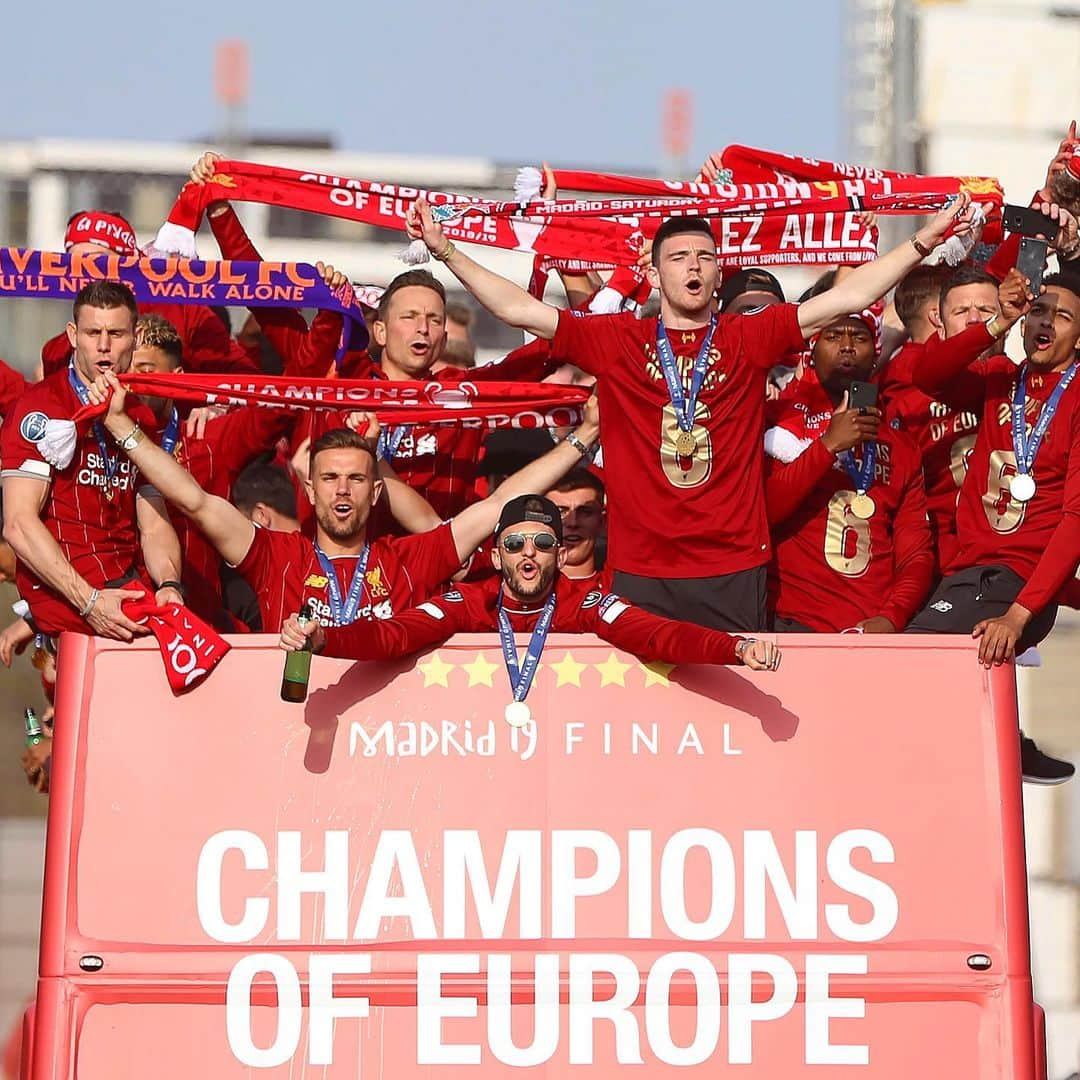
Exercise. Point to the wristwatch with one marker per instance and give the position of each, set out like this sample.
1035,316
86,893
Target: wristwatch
742,645
579,446
919,246
131,439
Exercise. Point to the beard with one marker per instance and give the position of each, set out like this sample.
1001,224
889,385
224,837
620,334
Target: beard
530,590
337,530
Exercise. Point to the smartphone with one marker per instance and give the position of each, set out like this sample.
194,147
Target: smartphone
1020,219
1031,262
862,395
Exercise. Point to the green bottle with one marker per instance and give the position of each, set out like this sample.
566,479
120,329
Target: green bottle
294,679
34,732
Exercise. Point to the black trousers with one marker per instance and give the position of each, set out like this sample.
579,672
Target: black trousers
965,598
727,602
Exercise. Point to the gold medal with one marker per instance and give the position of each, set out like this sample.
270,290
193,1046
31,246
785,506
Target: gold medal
862,506
685,444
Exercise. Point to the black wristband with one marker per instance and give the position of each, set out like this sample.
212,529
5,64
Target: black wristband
177,585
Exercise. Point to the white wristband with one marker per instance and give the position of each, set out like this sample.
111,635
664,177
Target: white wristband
94,595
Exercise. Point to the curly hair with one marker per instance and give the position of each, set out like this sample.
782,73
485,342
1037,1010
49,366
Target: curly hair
155,332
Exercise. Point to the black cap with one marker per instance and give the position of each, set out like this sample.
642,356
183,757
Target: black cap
530,508
753,279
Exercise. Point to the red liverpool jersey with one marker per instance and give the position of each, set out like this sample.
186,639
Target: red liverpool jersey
1039,539
230,443
90,506
672,515
581,607
945,436
284,570
832,569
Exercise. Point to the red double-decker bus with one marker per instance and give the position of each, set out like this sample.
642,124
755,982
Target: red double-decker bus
704,871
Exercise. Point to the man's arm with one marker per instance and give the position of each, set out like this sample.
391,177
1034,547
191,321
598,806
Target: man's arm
505,300
160,546
913,556
223,525
652,637
945,369
477,522
410,509
377,639
24,497
306,351
788,484
869,282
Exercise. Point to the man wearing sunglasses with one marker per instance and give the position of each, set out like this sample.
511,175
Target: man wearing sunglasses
531,596
343,573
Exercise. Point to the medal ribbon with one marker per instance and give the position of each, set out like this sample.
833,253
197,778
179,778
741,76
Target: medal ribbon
111,462
862,478
1026,449
684,407
344,613
171,434
390,440
521,679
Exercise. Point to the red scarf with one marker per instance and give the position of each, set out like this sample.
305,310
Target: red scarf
408,401
500,404
757,223
190,648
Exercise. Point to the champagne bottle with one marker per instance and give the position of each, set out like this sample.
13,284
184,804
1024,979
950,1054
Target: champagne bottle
294,679
34,732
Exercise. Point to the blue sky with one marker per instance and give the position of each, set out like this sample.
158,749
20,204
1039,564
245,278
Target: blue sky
576,83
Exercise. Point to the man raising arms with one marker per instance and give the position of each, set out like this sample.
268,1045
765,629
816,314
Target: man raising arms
1018,517
77,528
685,399
341,574
531,595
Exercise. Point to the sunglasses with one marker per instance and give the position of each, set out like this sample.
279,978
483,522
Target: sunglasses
515,542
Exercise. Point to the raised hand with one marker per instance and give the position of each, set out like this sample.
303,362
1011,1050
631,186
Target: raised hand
202,172
99,392
957,216
1065,150
332,279
1014,296
205,167
420,225
363,423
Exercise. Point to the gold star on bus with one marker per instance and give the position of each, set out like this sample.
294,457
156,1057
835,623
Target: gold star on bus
435,671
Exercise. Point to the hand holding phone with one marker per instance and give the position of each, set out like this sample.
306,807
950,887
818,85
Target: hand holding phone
862,395
1028,222
1031,262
